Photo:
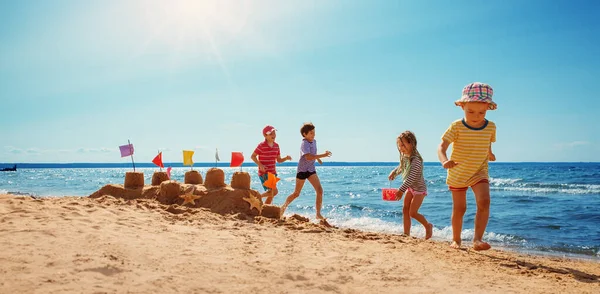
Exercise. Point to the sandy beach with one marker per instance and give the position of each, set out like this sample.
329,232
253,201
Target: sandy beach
112,245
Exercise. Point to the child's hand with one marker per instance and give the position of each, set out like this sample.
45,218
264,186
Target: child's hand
261,167
392,175
319,161
491,156
398,195
288,158
327,153
449,164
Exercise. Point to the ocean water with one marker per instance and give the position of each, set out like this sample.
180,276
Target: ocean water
543,208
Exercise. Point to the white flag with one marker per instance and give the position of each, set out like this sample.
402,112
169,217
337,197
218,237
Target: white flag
217,155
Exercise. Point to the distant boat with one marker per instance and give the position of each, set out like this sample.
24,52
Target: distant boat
14,168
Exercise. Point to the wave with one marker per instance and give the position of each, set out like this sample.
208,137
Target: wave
17,193
514,242
542,188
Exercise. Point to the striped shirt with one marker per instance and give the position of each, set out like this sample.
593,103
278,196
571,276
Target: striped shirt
414,179
470,149
305,165
267,156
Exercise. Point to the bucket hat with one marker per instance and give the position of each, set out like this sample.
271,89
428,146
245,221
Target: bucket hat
477,92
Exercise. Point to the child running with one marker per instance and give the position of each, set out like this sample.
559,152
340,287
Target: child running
472,138
306,168
265,155
411,169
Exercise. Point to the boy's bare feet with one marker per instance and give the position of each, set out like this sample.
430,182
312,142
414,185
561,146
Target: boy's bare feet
455,245
282,210
480,245
320,217
428,231
324,222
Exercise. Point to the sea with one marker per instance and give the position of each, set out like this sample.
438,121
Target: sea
536,208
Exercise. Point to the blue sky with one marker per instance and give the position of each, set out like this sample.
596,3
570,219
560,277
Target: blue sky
80,78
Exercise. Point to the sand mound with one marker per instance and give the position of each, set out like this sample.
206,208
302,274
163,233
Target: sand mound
159,177
214,194
193,177
215,178
240,180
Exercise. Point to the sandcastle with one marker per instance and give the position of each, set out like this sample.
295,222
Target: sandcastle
212,193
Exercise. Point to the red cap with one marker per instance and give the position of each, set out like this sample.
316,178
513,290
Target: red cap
268,130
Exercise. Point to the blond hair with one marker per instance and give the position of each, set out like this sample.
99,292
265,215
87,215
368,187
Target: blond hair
404,166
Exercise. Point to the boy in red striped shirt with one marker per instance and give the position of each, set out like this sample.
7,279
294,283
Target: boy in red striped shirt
265,156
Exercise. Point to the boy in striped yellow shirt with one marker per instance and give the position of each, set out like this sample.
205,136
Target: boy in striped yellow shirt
471,139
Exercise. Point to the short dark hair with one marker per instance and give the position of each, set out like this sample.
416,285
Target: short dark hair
306,127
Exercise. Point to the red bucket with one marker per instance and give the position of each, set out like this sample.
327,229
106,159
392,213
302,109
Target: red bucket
389,194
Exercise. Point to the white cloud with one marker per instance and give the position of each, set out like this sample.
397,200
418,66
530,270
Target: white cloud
14,150
11,149
571,145
34,151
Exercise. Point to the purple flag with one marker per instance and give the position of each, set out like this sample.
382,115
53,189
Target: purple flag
126,150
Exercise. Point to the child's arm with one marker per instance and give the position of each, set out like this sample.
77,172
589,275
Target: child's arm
254,157
443,157
393,173
280,160
317,156
491,156
416,167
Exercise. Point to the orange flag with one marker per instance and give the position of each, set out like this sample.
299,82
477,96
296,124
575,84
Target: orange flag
271,181
237,158
158,160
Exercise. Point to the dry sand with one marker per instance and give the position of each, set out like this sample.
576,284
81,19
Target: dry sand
112,245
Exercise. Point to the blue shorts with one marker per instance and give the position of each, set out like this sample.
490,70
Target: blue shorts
263,179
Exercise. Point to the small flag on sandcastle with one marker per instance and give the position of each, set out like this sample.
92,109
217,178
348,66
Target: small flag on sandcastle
160,176
158,161
187,158
237,158
127,150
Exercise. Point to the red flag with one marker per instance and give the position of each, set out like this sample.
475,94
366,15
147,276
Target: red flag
158,160
237,158
169,172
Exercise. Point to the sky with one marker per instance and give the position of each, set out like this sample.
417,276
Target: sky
80,78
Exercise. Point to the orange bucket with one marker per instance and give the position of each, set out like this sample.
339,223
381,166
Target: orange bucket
389,194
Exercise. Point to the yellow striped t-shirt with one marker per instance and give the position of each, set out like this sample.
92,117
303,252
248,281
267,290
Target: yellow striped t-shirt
470,149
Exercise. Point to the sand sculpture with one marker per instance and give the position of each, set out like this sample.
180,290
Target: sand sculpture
212,193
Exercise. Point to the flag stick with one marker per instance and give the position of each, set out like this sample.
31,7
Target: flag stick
216,156
131,151
160,168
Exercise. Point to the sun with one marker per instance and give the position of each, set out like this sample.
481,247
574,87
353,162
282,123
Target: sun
188,26
194,29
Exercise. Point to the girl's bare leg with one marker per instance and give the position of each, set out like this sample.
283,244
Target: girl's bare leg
406,213
316,183
414,213
289,199
459,207
482,198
